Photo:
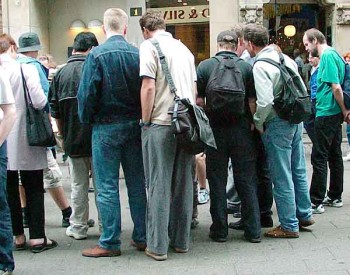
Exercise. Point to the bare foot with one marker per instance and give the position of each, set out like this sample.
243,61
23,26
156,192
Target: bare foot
39,241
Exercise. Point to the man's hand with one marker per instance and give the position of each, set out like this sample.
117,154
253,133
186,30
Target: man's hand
346,115
200,102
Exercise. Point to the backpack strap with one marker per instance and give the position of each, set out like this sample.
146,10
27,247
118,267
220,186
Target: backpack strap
270,61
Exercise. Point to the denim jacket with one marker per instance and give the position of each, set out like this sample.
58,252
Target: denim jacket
109,89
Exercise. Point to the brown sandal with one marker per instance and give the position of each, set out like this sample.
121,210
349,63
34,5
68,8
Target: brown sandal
279,232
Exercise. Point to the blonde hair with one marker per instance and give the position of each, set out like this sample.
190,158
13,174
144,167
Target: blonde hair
115,19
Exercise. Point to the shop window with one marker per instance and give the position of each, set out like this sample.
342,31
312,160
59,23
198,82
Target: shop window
188,21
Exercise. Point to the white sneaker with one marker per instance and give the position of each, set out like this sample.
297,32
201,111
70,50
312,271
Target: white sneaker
317,209
203,196
333,203
78,236
347,157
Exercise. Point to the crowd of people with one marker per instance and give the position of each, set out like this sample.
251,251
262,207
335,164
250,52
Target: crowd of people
110,103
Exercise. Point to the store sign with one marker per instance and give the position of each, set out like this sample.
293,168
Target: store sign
136,11
185,14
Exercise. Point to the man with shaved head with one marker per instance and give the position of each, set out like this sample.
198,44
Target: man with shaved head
109,100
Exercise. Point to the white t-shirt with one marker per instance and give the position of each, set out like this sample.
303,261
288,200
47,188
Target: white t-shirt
6,95
181,65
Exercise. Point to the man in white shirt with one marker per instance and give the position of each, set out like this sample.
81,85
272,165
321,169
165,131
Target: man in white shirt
167,166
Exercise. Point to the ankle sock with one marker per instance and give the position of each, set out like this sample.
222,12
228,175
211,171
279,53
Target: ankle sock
67,212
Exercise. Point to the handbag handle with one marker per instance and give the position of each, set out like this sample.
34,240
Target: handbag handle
165,68
27,97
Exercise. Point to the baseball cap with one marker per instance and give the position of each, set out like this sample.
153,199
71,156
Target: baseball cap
227,36
28,42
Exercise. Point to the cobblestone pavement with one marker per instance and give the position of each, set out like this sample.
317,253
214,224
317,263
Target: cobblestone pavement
326,250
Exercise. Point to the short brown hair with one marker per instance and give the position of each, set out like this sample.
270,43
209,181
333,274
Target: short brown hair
312,34
6,41
256,34
152,20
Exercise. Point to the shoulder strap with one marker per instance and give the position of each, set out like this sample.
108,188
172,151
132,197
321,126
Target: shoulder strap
165,68
27,98
270,61
341,57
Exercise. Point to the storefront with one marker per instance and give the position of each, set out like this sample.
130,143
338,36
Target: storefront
188,22
195,22
288,22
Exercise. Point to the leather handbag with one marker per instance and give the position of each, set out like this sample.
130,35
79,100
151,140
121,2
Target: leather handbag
189,122
39,129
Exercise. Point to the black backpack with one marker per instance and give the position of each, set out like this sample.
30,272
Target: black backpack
225,91
292,102
346,84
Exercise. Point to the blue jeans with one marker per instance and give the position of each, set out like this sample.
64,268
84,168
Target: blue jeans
285,153
112,145
6,257
348,132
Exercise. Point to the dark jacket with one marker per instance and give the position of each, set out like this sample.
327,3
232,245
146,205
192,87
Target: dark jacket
205,69
109,90
64,106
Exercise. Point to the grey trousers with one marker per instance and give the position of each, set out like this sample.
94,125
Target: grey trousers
233,200
170,190
80,168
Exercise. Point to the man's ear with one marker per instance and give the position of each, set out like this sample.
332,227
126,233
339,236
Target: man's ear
104,29
125,30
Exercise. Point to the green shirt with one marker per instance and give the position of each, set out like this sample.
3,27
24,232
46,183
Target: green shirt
331,71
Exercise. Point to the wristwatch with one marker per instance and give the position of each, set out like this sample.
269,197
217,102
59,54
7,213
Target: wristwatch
144,123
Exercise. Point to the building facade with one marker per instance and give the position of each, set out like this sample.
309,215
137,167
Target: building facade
195,22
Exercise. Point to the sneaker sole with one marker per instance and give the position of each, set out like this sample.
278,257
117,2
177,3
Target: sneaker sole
156,257
75,236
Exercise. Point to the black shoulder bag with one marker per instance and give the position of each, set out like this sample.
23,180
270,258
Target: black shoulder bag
39,129
189,121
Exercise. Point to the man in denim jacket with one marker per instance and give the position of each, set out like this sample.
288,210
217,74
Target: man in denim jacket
109,99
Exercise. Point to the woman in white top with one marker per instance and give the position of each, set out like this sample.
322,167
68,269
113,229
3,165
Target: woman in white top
24,160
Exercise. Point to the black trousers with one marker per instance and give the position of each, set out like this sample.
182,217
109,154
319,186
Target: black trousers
235,142
265,195
33,184
327,148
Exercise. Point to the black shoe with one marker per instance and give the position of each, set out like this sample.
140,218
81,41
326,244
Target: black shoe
236,225
233,210
266,222
194,223
91,223
253,240
217,238
237,215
